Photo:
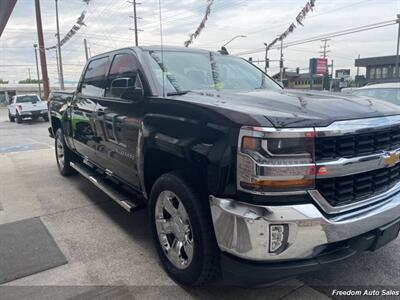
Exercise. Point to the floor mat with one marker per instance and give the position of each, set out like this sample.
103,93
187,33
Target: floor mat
26,247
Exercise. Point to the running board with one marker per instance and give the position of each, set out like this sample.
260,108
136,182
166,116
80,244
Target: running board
106,187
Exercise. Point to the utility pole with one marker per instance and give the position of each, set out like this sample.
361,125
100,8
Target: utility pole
358,68
42,52
331,83
266,58
61,76
325,47
86,49
37,69
135,18
58,65
29,72
281,62
398,46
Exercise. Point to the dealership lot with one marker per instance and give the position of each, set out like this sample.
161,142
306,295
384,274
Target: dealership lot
105,246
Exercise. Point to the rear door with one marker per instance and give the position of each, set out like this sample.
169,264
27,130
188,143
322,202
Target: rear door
118,119
82,114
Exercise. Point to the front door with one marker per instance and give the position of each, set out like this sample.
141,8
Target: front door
119,119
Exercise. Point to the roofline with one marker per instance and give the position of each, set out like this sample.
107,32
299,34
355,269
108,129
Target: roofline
157,48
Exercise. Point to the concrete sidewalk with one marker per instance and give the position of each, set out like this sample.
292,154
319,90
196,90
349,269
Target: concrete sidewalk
105,246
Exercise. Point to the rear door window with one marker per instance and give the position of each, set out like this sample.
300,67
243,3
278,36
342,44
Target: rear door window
94,81
27,99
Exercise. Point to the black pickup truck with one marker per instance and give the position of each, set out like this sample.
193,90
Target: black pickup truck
245,182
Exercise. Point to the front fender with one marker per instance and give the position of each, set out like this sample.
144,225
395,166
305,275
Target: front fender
204,146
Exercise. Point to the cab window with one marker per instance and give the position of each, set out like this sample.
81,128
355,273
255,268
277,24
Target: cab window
94,80
122,76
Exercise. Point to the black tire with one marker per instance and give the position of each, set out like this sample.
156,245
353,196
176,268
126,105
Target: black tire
10,117
46,118
204,264
63,162
18,117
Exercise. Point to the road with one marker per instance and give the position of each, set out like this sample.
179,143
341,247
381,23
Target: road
110,252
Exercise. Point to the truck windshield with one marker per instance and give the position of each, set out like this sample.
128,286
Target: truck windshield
185,71
26,99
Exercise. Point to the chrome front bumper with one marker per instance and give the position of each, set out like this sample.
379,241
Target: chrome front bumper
242,229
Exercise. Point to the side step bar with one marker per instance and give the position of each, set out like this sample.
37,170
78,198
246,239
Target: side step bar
106,187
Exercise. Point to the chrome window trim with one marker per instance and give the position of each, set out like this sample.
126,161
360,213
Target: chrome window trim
357,126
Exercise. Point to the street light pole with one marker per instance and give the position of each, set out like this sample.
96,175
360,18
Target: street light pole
234,38
61,76
266,58
37,69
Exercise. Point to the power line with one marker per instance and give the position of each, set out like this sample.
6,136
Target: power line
329,35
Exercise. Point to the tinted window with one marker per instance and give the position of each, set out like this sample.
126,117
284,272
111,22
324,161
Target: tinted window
94,79
122,76
27,99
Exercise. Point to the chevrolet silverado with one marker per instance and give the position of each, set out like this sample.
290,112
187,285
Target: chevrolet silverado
244,182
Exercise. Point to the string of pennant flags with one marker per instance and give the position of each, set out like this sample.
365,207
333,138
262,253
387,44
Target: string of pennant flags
194,35
75,28
299,19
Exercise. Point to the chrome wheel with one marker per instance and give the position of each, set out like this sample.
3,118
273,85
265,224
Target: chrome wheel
174,229
60,152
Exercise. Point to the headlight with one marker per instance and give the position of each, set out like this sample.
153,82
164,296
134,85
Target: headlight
276,161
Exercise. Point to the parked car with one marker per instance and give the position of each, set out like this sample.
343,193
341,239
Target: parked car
27,106
244,182
383,91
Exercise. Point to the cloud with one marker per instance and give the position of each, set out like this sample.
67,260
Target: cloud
108,24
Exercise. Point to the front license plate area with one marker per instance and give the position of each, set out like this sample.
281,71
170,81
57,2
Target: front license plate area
386,234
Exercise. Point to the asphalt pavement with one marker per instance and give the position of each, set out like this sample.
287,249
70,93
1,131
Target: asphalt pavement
110,253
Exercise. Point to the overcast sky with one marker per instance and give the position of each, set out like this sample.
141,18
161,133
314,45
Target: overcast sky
261,21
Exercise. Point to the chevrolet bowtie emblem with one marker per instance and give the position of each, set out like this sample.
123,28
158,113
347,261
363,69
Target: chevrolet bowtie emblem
391,159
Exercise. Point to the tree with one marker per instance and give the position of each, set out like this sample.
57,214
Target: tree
28,80
3,81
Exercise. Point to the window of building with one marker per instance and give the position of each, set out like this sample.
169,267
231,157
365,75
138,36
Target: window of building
378,73
385,72
372,73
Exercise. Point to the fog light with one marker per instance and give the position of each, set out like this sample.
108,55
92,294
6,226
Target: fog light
278,238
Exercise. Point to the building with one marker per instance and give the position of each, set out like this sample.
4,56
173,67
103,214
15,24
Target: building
296,80
378,69
10,89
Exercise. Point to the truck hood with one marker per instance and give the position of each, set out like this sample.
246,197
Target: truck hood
293,108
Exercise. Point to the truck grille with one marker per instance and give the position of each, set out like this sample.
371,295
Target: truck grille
350,189
328,148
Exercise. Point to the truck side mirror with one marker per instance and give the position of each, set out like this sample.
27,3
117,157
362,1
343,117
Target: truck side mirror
128,88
